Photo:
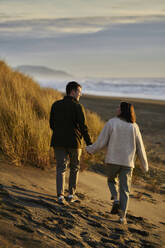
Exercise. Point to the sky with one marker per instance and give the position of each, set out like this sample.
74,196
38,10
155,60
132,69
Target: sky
86,38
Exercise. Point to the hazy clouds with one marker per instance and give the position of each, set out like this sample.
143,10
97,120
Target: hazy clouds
55,27
60,34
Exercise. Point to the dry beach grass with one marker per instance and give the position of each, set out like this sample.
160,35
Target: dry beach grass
24,119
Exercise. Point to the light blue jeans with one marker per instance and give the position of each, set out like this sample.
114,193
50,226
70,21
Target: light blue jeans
123,175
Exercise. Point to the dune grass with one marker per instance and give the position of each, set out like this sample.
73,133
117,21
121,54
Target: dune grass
24,119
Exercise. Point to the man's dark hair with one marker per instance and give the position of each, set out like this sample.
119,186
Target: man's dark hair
72,86
127,112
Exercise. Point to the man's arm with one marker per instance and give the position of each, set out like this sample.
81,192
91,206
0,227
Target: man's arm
51,119
83,125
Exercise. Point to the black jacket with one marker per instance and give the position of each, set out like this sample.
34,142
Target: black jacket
68,122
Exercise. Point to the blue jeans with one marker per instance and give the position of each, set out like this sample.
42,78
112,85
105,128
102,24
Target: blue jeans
63,156
124,174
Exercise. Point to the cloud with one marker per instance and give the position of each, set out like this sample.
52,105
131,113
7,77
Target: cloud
64,26
86,44
128,36
5,17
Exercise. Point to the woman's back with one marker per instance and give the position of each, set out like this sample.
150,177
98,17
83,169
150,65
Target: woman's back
121,147
122,137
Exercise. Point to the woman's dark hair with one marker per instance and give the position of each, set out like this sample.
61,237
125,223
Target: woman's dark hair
72,86
127,112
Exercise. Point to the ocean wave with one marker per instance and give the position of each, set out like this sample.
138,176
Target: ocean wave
149,88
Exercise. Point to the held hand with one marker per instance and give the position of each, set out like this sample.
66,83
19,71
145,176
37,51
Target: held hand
87,150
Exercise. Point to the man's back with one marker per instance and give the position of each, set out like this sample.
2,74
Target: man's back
67,120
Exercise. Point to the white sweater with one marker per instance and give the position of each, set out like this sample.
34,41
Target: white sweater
123,140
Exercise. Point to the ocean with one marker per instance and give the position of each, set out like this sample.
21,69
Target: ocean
146,88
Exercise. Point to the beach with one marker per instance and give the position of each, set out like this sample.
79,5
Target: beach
115,51
30,215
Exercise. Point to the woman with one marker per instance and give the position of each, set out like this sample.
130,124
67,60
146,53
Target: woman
122,137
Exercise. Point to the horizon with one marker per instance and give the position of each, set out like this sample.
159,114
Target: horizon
110,40
73,76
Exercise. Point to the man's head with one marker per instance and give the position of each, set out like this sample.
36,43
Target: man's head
73,89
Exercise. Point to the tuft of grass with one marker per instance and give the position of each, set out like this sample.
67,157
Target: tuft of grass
24,119
4,243
95,124
153,186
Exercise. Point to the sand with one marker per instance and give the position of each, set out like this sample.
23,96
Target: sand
30,215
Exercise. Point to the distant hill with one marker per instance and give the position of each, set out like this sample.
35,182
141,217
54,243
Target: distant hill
42,72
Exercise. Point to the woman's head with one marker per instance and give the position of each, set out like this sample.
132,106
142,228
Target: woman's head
127,112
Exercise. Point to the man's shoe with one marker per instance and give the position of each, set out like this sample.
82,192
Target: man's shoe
61,200
123,220
72,198
115,208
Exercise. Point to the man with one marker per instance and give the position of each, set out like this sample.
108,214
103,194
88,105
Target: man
68,122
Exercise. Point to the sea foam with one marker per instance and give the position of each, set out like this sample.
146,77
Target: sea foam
147,88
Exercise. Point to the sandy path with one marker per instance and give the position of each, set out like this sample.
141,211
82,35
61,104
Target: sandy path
94,186
29,209
151,207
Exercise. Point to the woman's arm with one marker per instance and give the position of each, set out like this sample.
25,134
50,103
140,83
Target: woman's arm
140,149
101,141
